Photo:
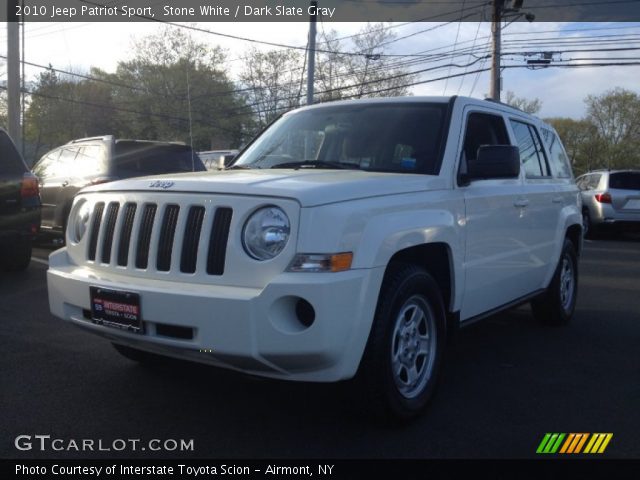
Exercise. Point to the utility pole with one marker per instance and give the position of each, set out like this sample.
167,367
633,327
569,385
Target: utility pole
13,75
311,52
496,34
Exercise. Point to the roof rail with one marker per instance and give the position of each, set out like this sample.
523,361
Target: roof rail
78,140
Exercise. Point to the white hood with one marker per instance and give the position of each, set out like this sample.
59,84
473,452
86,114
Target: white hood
310,187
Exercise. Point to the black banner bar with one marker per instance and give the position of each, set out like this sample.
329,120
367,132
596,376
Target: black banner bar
329,469
327,10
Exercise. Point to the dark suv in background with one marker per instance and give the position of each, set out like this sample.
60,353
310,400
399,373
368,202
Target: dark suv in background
19,207
88,161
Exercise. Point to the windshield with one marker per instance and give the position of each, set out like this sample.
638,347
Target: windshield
401,137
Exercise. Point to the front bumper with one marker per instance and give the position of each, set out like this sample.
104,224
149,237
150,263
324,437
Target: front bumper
252,330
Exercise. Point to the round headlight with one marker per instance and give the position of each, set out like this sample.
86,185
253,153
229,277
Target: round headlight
266,232
79,221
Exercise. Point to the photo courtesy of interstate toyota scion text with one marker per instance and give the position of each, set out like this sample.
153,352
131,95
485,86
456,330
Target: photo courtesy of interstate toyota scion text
347,241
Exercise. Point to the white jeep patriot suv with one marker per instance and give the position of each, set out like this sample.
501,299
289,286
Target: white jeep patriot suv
345,241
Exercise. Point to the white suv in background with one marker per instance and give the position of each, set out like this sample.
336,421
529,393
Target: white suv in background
346,241
609,198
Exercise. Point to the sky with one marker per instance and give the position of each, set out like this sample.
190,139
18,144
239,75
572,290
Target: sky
78,46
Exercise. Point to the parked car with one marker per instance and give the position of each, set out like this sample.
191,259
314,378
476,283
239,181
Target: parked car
65,170
348,240
211,158
609,198
19,207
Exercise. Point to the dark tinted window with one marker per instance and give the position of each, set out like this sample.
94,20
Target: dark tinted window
133,159
483,129
10,159
625,180
403,138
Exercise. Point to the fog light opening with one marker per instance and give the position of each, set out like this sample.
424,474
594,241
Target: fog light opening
305,312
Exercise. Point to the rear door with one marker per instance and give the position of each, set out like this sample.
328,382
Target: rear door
496,252
544,203
12,168
624,188
55,172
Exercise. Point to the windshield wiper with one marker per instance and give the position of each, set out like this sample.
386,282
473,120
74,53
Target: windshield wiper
318,164
240,167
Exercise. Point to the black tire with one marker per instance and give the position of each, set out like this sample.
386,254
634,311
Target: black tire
139,356
586,224
17,256
589,230
407,290
557,304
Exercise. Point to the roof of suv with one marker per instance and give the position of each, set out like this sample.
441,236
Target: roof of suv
111,138
426,99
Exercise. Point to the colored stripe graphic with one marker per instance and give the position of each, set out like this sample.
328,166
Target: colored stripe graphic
543,443
550,443
598,442
581,442
573,443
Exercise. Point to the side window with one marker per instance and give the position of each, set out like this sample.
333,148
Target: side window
91,160
64,167
531,153
558,159
45,168
582,182
482,129
594,181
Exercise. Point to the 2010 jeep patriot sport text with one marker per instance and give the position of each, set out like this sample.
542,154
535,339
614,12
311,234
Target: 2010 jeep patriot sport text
343,242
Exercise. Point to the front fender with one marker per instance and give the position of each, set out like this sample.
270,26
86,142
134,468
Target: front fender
376,229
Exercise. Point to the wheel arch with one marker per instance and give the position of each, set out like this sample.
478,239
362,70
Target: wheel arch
437,259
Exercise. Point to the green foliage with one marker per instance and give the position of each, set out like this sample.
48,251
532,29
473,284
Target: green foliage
528,106
608,136
581,142
616,116
275,81
173,89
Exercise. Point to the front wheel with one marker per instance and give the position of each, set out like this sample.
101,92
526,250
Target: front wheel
404,353
557,304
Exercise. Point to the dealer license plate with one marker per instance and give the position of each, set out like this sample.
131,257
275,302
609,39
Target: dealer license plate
116,308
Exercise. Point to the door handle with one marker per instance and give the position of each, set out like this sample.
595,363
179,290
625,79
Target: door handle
521,203
65,183
557,199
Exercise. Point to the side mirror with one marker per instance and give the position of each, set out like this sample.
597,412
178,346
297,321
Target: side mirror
495,161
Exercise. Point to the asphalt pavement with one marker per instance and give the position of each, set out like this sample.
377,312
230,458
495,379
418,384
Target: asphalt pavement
508,381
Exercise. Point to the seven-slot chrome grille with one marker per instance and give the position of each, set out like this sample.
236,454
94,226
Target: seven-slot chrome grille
165,237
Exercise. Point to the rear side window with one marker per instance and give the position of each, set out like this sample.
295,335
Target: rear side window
64,166
134,159
625,181
593,181
91,161
558,157
10,159
532,155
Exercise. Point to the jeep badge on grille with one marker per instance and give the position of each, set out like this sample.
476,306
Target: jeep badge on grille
164,184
